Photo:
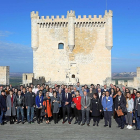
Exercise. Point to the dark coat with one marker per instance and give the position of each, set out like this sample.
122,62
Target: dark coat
138,107
30,99
121,103
95,107
3,102
66,100
12,110
20,101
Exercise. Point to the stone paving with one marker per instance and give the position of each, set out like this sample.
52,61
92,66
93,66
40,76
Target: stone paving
65,131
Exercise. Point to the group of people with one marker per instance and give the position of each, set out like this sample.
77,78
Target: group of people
44,103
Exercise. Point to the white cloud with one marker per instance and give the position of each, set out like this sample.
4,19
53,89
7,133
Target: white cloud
5,33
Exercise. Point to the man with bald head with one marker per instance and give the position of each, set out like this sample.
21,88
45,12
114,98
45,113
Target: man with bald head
66,104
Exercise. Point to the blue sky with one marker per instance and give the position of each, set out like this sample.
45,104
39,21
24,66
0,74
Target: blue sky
15,29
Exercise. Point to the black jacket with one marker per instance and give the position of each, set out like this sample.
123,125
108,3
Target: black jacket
121,103
95,107
30,99
20,101
3,102
138,107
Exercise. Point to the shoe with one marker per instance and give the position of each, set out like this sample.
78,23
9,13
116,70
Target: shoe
17,123
130,127
22,122
2,123
88,124
109,126
82,124
78,123
122,127
127,126
119,125
69,122
38,122
63,122
32,122
75,122
94,124
97,124
29,122
105,125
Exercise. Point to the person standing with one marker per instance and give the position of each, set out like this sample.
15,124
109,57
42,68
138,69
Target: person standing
2,106
20,106
130,107
85,102
10,103
95,108
55,106
47,107
107,104
39,104
120,103
30,105
77,108
66,104
137,110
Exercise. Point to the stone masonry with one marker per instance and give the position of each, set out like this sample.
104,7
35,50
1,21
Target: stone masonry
4,75
86,56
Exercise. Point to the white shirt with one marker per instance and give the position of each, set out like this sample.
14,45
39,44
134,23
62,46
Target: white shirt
50,94
99,94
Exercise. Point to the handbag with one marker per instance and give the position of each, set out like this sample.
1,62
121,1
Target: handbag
72,105
119,112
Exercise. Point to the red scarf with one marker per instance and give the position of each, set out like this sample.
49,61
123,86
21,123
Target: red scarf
12,101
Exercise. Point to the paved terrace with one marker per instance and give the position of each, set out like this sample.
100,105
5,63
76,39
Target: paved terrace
66,132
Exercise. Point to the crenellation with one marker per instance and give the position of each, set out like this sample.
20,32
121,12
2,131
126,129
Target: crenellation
84,16
71,13
89,16
34,15
100,16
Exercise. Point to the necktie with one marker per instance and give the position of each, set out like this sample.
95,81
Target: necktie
85,100
66,96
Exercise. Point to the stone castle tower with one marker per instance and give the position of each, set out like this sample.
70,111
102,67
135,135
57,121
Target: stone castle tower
70,49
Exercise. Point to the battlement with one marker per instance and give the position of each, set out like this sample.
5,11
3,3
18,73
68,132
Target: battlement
34,15
110,13
71,13
90,18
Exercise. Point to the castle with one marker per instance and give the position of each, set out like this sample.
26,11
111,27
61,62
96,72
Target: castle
71,49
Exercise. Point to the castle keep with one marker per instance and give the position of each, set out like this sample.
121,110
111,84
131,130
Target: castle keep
70,49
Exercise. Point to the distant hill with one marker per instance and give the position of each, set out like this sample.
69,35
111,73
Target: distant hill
124,74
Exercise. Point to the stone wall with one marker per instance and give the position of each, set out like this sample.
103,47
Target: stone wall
4,75
86,56
27,78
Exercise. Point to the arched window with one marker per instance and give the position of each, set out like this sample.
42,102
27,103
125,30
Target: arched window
60,46
73,76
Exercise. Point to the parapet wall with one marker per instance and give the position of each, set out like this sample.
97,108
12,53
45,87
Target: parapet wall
93,19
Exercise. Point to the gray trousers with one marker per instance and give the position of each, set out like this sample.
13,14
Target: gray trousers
85,116
128,118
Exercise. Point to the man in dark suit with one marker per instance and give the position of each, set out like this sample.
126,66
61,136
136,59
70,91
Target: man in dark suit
137,110
120,103
104,89
66,104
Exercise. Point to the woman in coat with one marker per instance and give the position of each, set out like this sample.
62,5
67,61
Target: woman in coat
47,107
10,103
55,107
130,107
95,108
39,104
77,107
